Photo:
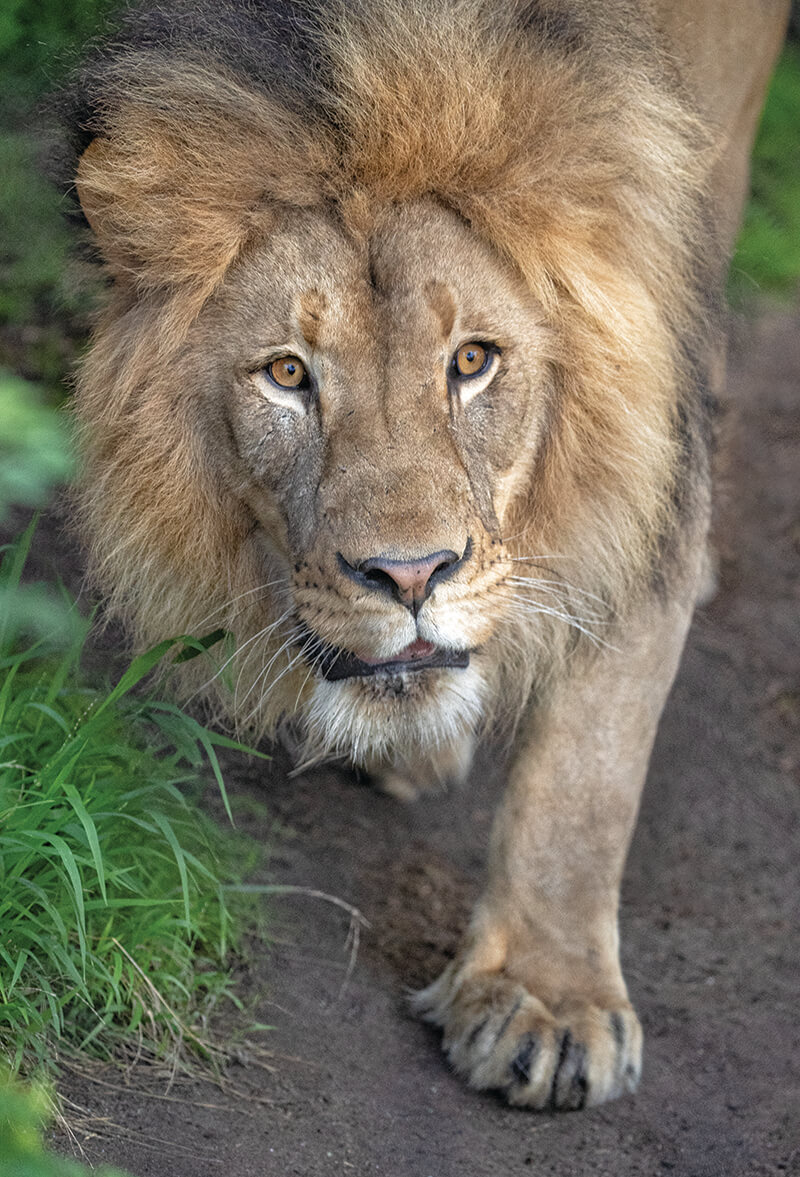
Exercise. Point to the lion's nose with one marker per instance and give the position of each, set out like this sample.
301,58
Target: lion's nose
410,582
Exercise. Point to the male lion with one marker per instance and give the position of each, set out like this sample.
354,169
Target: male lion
404,382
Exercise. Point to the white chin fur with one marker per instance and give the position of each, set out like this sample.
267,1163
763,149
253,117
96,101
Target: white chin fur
366,720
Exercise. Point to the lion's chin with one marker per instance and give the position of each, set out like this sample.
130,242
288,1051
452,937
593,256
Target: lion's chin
396,715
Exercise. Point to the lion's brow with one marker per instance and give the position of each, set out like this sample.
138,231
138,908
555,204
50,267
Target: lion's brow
441,301
310,313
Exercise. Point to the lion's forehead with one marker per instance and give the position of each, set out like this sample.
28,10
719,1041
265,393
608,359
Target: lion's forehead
392,284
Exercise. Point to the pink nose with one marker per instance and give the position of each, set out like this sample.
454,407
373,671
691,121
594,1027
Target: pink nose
410,582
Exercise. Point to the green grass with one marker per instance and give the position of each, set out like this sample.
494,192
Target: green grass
118,900
121,902
24,1114
767,258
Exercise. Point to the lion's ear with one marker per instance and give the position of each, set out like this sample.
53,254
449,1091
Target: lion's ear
157,220
105,203
89,198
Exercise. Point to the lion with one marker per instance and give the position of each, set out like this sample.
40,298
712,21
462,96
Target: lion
404,381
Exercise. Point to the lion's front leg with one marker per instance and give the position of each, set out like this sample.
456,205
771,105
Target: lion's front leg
535,1004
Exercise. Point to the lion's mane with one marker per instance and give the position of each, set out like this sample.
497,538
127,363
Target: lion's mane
562,140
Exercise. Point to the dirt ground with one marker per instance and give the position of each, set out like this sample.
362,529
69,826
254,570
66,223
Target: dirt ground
709,918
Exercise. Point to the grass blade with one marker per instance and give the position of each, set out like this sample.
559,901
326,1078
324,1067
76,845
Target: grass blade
71,793
169,834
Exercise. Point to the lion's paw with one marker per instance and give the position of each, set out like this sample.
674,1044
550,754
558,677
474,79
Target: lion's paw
407,781
500,1037
400,785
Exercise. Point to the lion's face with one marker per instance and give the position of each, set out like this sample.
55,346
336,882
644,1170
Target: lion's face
386,383
377,401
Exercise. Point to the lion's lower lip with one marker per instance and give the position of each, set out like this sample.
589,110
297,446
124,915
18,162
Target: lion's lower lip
335,664
346,665
416,651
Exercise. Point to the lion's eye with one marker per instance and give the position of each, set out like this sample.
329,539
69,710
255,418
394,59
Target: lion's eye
471,359
288,372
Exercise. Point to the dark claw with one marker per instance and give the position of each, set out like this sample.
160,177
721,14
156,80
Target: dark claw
475,1032
563,1050
521,1064
579,1083
570,1086
617,1028
507,1020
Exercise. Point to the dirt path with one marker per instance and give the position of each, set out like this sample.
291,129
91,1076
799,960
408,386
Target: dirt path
709,918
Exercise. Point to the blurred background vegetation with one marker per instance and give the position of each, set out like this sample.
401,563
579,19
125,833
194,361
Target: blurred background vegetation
767,259
25,1113
44,300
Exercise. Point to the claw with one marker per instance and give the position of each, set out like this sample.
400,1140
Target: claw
521,1063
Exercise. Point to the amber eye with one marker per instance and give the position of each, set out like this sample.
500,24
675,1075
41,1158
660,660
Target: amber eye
288,372
471,359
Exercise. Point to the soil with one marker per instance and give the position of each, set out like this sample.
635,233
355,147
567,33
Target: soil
709,918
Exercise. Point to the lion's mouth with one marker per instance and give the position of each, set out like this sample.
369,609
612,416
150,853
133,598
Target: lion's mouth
335,664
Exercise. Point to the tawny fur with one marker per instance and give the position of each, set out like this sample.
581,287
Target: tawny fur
533,175
582,169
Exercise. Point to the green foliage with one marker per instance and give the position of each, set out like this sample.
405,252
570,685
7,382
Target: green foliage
44,300
37,40
24,1113
41,294
34,458
34,448
120,901
118,907
768,252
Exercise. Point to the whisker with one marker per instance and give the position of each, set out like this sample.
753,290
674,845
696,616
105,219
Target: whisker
526,605
248,592
542,556
563,579
271,687
238,650
535,581
288,641
565,604
315,662
542,607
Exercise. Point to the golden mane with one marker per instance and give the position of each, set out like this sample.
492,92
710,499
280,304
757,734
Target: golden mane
580,162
